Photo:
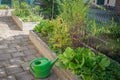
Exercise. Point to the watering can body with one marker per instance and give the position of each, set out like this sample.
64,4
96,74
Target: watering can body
41,67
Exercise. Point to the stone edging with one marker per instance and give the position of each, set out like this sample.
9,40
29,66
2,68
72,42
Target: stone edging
46,52
23,25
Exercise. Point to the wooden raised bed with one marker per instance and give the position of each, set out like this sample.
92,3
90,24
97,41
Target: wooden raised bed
46,52
24,25
5,12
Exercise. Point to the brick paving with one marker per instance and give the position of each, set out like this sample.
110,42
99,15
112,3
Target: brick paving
16,51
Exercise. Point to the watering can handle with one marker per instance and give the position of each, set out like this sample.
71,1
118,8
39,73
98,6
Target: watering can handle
32,63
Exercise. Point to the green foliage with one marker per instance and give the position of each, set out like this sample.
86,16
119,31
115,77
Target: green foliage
60,38
95,29
4,7
15,4
115,31
74,12
25,12
52,8
74,15
89,65
45,27
57,33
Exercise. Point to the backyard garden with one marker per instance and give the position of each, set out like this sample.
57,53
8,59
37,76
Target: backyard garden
90,49
71,35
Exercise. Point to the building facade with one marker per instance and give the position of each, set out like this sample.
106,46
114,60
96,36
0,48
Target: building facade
113,5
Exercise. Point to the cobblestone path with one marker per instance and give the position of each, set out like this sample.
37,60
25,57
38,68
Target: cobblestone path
16,51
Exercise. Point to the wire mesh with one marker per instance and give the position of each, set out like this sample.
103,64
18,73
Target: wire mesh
104,30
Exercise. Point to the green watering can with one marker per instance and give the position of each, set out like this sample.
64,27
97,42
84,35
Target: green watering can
41,67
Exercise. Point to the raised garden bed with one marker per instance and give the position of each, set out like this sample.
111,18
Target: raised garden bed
46,52
104,46
5,12
23,25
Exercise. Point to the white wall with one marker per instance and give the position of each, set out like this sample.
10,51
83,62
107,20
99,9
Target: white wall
112,2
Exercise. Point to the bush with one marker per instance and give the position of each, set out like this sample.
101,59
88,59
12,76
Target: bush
4,7
52,8
45,28
26,13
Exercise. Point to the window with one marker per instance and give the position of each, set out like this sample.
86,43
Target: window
100,2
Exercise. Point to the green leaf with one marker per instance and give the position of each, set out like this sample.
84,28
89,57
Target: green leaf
105,62
60,64
68,52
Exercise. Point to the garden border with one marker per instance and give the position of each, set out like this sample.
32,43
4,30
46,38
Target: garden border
5,12
23,25
46,52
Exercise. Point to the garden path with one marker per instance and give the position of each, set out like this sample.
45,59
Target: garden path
16,51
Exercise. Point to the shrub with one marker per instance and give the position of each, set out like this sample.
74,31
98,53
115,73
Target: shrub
25,12
4,7
45,28
52,8
60,38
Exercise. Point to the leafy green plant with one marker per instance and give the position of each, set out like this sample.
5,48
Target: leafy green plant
114,31
75,15
4,7
74,12
25,12
45,27
57,33
60,38
52,8
88,65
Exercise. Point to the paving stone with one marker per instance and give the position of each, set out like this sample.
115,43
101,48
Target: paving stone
4,63
31,47
24,76
17,61
3,79
21,48
3,46
13,69
11,50
18,54
11,78
12,45
2,72
29,57
5,56
24,39
29,52
2,51
18,37
8,78
10,38
25,66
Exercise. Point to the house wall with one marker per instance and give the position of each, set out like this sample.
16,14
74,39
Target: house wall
117,8
112,2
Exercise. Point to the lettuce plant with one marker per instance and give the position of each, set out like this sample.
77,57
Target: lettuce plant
85,63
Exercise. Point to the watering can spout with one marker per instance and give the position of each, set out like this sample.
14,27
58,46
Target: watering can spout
53,62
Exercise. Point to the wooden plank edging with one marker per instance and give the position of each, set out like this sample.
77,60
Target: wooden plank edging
46,52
